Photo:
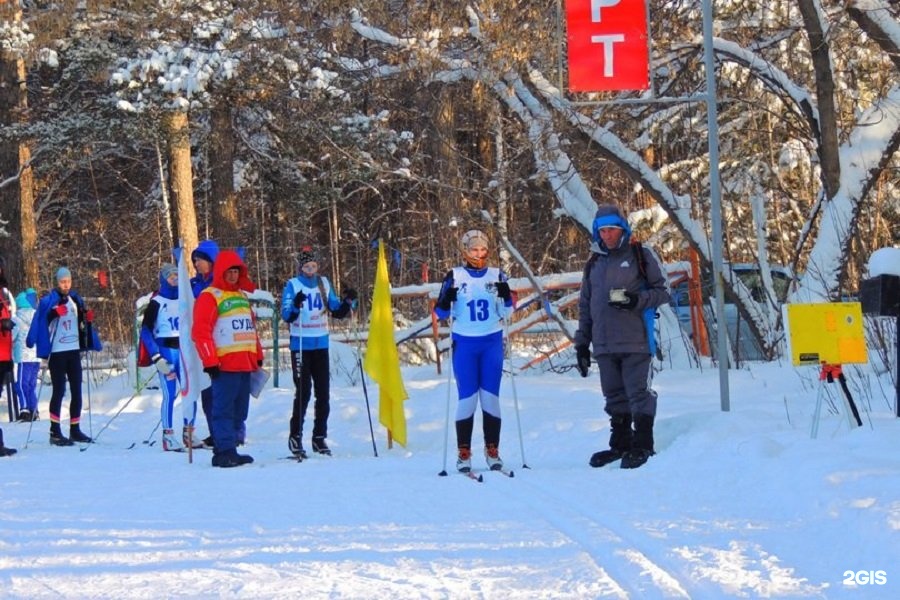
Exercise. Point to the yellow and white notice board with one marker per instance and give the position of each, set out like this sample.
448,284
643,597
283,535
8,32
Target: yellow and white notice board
826,332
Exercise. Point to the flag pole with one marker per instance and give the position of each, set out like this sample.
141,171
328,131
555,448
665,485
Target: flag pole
382,361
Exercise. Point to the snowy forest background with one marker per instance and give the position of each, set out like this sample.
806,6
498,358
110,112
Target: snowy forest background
130,125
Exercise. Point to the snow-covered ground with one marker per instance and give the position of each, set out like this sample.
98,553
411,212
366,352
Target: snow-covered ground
737,504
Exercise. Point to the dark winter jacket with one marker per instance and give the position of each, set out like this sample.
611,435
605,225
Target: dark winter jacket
39,334
611,330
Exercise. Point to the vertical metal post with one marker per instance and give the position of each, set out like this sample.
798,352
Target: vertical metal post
715,201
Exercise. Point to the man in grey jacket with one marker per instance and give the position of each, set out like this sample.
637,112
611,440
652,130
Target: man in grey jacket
623,285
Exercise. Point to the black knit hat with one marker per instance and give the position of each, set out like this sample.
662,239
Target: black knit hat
306,254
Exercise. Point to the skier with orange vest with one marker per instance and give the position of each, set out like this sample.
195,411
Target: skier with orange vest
225,334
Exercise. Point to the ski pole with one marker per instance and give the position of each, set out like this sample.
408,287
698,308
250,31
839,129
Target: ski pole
147,441
443,472
512,381
119,412
362,378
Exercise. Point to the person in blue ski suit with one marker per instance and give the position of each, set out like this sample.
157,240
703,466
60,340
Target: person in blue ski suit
27,364
61,330
160,336
306,302
203,258
622,286
477,298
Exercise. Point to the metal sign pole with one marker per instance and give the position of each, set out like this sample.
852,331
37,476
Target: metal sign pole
715,194
715,201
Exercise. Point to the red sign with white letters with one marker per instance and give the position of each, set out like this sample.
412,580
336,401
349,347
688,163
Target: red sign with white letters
608,47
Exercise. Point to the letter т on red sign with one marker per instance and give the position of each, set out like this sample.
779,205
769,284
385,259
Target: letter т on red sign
608,49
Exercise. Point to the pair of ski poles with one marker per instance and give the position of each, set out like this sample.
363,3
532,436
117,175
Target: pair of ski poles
512,380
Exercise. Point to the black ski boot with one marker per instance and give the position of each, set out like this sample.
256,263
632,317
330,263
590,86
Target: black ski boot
295,445
641,443
230,459
4,451
319,446
57,438
76,435
619,441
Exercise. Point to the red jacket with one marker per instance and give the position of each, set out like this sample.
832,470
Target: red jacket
6,336
232,344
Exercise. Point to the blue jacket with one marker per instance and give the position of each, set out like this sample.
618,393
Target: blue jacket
337,308
39,332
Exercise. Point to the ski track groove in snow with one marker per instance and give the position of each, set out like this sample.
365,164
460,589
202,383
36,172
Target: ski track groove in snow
615,554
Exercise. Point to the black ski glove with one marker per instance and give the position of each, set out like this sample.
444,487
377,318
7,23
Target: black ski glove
449,297
631,302
583,354
212,371
299,299
350,295
503,290
6,325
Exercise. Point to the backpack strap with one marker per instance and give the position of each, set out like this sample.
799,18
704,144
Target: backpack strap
638,249
589,265
321,283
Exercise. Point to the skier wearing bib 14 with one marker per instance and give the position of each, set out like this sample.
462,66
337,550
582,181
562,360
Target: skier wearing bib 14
307,301
477,297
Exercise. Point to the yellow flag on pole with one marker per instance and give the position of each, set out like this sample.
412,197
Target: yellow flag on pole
382,362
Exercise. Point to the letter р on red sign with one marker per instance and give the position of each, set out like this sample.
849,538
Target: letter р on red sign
608,49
